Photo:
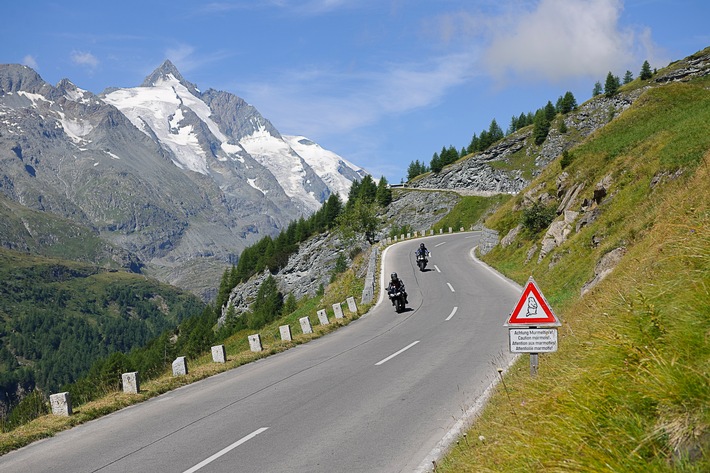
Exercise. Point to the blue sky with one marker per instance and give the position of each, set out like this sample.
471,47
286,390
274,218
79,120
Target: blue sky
380,82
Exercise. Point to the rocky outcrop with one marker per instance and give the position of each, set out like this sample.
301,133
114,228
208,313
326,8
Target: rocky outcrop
476,174
418,210
604,267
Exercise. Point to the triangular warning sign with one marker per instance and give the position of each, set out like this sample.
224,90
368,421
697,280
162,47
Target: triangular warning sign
532,309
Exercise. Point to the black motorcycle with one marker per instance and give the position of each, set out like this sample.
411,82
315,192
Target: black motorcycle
397,296
421,261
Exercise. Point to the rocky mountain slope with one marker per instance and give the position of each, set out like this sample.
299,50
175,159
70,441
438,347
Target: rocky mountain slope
182,180
511,164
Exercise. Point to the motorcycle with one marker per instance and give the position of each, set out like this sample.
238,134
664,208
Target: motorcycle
421,262
397,297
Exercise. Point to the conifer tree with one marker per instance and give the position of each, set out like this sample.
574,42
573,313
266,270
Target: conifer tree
435,163
597,89
384,193
645,71
628,77
611,85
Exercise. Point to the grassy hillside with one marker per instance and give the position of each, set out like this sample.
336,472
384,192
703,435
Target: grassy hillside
629,388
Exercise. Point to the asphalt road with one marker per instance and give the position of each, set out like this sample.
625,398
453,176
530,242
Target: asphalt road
376,396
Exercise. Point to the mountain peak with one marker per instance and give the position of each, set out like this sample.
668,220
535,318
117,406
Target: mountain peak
166,71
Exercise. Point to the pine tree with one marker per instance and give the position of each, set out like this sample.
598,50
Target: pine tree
383,195
645,71
550,111
495,132
597,89
541,127
368,189
611,86
474,145
628,77
566,103
435,163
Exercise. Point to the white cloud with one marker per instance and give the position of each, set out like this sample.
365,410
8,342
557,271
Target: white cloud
84,59
560,39
344,100
30,61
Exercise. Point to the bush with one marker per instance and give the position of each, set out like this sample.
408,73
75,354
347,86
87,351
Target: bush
538,217
32,406
566,160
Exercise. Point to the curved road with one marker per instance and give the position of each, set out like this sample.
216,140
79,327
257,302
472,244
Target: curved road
376,396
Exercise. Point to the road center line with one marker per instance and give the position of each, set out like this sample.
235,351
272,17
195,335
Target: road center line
438,245
450,287
452,313
398,353
225,450
437,269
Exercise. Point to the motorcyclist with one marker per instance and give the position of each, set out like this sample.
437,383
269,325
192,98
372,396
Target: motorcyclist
395,285
423,251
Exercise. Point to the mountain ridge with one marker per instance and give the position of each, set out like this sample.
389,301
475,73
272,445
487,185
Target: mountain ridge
158,169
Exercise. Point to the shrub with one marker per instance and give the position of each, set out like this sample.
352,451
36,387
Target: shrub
538,217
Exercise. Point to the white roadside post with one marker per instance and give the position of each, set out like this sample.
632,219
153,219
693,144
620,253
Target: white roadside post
285,331
130,382
352,307
255,343
322,317
305,325
219,354
532,326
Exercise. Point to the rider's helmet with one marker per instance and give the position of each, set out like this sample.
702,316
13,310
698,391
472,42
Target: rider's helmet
421,245
394,276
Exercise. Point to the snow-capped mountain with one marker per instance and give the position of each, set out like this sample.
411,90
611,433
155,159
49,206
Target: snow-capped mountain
182,179
337,173
175,111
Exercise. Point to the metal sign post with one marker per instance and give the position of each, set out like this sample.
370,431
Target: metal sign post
532,326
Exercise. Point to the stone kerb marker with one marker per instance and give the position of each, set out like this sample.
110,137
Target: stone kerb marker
338,310
352,307
305,325
255,343
219,354
180,366
130,382
285,331
61,404
323,317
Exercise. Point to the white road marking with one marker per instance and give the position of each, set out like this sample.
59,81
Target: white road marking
398,353
442,243
437,269
225,450
450,287
452,313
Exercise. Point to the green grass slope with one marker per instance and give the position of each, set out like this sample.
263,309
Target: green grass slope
629,388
